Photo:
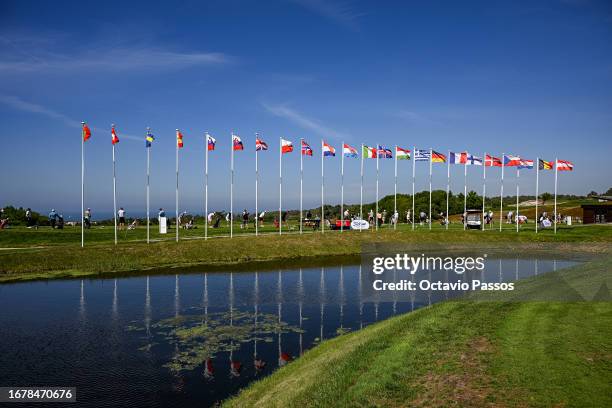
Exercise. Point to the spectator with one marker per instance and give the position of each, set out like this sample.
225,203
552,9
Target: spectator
87,218
52,218
121,214
245,219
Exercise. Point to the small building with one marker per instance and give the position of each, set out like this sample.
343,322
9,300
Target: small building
596,213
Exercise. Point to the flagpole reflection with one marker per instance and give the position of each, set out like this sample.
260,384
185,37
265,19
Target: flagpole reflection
147,311
322,299
115,300
360,293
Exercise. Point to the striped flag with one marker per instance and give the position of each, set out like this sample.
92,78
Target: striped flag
422,154
544,165
349,151
306,149
260,145
210,142
114,137
458,158
492,161
179,139
286,146
237,143
402,154
86,132
564,165
525,164
328,150
368,152
437,157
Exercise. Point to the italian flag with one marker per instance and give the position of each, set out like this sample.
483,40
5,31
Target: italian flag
402,154
368,152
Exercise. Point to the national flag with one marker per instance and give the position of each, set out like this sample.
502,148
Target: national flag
114,137
179,139
384,153
306,149
525,164
492,161
458,158
544,165
149,138
368,152
422,154
473,160
402,154
349,151
328,150
437,157
286,146
86,132
260,144
210,142
237,143
564,165
510,160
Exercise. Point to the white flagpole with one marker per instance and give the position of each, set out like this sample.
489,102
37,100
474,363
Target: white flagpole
206,187
114,193
301,181
280,186
430,162
484,187
377,173
231,214
177,190
537,193
447,187
413,178
465,195
395,192
256,187
148,180
342,190
322,197
361,190
518,174
501,195
82,187
556,170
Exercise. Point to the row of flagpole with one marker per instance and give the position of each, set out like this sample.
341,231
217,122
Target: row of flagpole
375,152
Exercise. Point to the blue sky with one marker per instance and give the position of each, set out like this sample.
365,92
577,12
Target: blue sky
531,78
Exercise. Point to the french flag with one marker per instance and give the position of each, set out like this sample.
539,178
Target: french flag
458,158
510,160
328,150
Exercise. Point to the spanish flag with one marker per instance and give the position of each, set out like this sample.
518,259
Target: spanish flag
544,165
179,139
86,132
437,157
115,139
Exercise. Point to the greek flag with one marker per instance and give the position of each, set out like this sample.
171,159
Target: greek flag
422,155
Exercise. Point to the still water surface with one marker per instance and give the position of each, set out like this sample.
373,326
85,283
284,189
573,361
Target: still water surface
187,340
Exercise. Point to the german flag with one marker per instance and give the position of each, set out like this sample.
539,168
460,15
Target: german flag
86,132
437,157
544,165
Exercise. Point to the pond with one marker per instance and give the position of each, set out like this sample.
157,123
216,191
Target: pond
192,339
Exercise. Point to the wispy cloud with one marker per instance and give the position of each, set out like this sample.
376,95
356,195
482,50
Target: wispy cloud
113,59
25,106
303,121
416,118
341,12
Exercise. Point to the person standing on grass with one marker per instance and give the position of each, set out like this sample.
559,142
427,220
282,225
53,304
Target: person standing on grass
121,215
52,218
210,217
261,218
87,218
245,219
28,215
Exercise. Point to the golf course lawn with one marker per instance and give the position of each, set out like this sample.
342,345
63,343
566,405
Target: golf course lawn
45,253
553,353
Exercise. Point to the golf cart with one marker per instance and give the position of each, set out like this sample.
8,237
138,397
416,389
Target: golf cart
474,219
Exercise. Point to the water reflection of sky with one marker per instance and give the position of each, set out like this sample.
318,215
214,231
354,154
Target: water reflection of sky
81,332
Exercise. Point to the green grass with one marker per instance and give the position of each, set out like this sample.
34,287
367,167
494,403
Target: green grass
45,253
463,353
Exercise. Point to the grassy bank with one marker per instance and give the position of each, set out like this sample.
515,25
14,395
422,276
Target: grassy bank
465,353
67,259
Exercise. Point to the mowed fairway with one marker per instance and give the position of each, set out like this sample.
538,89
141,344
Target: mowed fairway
45,253
464,353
